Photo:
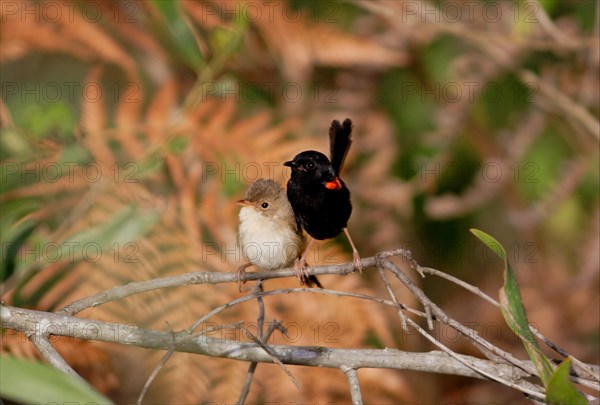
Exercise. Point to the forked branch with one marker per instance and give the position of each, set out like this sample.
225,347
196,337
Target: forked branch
500,366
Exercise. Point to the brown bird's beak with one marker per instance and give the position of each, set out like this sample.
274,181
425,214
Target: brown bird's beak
290,163
242,202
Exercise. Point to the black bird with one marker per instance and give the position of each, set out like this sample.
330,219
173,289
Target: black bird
319,198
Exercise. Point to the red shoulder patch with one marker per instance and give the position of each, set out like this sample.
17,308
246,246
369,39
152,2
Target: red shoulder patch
334,184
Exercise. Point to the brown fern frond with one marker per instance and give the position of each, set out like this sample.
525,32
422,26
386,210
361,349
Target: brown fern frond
127,120
19,38
94,120
301,46
81,31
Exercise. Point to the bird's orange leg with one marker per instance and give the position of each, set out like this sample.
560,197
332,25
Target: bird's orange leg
357,262
241,275
300,264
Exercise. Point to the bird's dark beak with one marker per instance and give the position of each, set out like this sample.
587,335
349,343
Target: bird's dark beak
332,174
290,163
242,202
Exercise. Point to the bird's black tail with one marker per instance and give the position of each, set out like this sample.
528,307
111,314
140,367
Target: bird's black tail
340,139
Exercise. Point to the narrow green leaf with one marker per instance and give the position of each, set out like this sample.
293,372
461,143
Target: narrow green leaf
560,389
180,34
511,306
490,242
51,385
512,309
14,230
124,226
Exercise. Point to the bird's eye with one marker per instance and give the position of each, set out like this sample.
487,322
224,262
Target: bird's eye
310,165
265,205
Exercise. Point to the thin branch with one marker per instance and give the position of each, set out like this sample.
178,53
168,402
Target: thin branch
500,50
137,287
200,278
273,357
247,383
562,102
260,323
167,356
429,305
482,344
153,375
49,353
275,325
260,320
255,295
293,290
461,283
352,377
523,386
30,321
452,363
581,369
390,291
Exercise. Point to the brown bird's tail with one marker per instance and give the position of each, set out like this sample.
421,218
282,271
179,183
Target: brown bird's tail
312,281
340,139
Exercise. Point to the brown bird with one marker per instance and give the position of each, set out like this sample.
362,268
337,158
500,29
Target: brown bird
268,235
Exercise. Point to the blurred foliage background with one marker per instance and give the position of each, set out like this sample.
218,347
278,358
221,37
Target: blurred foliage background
130,128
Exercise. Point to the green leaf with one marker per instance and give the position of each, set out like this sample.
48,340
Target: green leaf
124,226
51,385
511,306
492,243
13,143
180,33
15,228
43,118
560,389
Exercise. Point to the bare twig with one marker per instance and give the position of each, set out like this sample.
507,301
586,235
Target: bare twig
260,323
429,305
482,344
153,375
256,295
247,383
260,320
562,102
49,353
167,356
138,287
579,367
352,377
512,374
463,284
28,321
500,48
523,386
259,294
195,278
252,368
273,357
388,286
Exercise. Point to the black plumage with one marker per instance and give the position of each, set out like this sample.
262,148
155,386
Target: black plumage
319,198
